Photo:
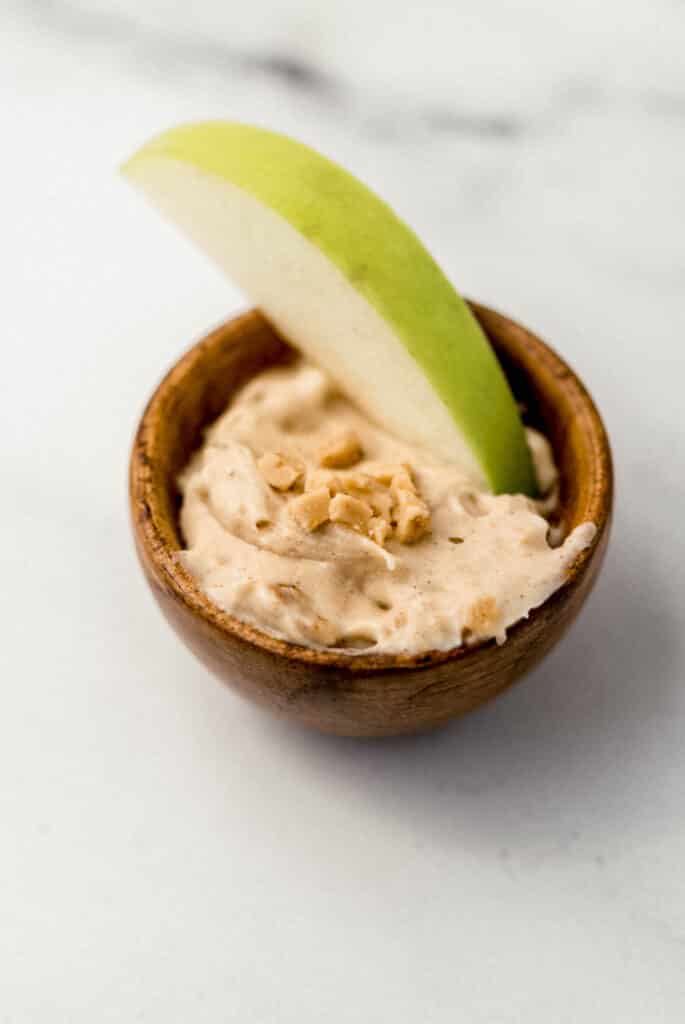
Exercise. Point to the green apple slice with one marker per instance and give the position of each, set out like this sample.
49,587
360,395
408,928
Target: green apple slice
350,285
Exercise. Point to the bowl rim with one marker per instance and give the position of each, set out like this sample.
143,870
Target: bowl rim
151,532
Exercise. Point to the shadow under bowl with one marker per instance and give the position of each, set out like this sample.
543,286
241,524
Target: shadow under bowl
336,692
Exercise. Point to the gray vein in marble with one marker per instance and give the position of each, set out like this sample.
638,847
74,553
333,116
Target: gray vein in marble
372,114
112,27
451,122
143,43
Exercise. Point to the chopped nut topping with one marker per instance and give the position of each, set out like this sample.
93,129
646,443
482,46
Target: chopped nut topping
384,473
310,509
483,615
369,503
412,517
381,502
361,482
379,530
350,511
278,471
402,482
342,450
375,494
318,478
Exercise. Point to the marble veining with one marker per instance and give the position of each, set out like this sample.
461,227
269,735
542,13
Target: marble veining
428,113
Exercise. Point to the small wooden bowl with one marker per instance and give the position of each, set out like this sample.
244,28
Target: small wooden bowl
362,695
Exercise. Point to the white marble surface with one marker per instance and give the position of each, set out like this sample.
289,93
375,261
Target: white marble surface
169,854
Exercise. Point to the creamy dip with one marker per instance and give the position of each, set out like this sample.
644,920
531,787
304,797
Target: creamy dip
481,563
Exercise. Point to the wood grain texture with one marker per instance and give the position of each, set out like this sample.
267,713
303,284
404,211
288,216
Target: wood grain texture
367,695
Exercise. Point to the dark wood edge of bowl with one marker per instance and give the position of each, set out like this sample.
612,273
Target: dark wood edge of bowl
157,548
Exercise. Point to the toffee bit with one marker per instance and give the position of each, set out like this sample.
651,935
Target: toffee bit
311,509
351,512
278,471
412,517
379,530
342,450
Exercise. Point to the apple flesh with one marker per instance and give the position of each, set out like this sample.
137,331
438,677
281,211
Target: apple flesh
346,282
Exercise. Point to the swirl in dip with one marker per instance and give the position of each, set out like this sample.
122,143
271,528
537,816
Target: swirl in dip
305,519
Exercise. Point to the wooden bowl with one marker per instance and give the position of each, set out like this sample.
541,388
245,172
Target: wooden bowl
358,695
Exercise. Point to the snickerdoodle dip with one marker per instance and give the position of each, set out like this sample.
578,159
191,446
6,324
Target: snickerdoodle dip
305,519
